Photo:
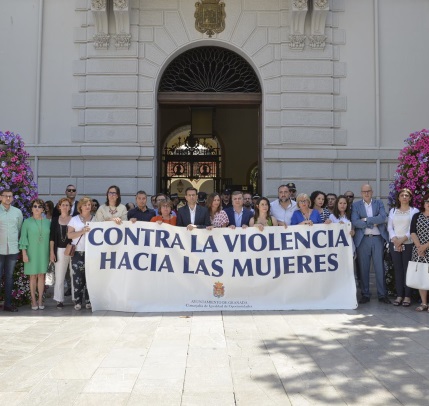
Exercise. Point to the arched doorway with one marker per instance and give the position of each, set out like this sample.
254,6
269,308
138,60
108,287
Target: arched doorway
191,161
216,93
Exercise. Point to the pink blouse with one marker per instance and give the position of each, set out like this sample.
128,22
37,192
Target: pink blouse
220,219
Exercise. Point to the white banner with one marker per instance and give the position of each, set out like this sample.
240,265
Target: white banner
147,267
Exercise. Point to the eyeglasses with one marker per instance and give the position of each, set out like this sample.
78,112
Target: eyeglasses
405,195
426,201
112,193
71,190
37,207
350,196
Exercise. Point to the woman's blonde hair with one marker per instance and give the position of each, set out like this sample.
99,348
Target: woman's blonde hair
83,201
302,196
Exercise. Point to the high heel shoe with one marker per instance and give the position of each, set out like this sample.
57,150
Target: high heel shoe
34,307
41,307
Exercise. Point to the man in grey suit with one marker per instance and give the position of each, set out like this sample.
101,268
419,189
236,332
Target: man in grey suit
192,215
369,221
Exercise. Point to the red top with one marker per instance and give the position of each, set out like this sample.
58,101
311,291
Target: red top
172,220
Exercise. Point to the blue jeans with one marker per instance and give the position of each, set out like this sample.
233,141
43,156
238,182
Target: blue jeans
7,263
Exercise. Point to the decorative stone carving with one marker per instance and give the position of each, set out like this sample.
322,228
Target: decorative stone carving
122,41
297,41
98,4
317,41
99,12
121,9
300,4
120,4
321,4
101,41
210,17
297,21
317,38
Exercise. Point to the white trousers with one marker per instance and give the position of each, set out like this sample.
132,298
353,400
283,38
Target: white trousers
60,273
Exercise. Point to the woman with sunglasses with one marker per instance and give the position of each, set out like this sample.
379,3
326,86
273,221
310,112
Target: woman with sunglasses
401,245
112,210
420,235
34,243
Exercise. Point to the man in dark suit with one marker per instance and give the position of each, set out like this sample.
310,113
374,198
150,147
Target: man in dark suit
369,221
192,215
237,215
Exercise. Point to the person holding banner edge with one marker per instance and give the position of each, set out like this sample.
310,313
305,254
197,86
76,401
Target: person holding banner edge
262,217
77,230
192,215
238,216
113,209
304,215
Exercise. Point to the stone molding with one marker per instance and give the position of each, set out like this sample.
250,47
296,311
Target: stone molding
298,13
99,13
317,39
121,10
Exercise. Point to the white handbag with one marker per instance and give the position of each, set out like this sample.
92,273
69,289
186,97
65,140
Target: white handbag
418,275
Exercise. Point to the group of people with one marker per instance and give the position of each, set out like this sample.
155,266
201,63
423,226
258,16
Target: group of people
44,239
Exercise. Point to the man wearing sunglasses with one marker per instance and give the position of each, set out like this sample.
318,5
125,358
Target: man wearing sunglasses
71,195
10,225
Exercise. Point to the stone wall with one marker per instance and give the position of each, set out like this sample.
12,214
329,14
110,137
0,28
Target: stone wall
325,113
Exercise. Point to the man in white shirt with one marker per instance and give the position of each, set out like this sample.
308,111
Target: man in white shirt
192,215
283,207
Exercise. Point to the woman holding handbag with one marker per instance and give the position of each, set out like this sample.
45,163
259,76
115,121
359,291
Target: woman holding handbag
58,244
401,245
420,236
77,229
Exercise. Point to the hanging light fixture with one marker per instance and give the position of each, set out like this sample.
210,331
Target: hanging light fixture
180,186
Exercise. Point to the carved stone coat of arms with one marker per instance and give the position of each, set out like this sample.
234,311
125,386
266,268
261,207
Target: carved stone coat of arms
210,16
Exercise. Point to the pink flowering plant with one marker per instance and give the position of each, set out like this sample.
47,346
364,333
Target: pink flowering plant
413,168
17,175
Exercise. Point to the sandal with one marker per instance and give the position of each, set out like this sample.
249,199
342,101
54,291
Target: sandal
398,301
406,303
422,308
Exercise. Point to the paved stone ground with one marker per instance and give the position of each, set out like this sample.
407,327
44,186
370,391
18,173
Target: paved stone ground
376,355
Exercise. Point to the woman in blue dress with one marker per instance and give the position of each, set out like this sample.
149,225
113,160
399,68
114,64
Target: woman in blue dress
304,215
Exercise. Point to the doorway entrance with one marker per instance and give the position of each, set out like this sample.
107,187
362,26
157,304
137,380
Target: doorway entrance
209,130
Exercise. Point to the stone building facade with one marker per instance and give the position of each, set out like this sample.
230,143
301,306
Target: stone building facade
342,83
